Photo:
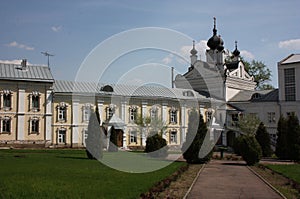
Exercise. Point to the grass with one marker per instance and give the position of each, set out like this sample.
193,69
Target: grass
69,174
280,182
291,171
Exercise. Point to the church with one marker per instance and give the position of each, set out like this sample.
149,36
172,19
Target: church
38,111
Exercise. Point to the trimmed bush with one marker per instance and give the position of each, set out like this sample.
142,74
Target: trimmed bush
250,149
156,146
196,149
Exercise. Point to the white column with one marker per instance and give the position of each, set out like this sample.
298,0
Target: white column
48,116
144,114
21,114
144,109
183,124
75,122
164,112
124,116
100,108
123,111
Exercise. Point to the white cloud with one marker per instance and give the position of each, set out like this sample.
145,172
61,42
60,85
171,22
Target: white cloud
56,28
292,44
246,54
17,45
168,59
200,47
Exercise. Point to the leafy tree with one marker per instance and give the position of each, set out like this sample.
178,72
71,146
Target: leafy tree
113,140
94,141
263,138
260,72
248,124
195,139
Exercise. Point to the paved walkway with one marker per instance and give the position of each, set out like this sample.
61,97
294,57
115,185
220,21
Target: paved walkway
229,179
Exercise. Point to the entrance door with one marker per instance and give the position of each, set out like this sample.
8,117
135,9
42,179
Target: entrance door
119,137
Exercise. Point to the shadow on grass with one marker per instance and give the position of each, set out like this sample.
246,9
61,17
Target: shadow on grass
75,158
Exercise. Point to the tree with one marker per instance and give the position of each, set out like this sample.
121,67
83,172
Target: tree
195,139
261,73
248,124
281,143
113,140
288,140
94,141
293,138
263,138
250,149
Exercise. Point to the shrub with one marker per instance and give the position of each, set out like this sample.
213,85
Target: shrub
237,145
250,149
196,149
156,146
113,140
263,138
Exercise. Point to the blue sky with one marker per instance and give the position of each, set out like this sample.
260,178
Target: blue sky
267,31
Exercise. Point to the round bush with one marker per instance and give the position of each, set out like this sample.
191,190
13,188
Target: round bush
156,146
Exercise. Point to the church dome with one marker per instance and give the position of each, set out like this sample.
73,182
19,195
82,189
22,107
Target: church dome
194,51
236,52
215,42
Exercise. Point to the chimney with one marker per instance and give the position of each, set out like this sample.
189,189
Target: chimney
24,64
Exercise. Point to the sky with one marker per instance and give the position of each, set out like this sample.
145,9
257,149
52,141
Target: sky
76,31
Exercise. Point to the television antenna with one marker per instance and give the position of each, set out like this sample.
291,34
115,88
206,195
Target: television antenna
48,55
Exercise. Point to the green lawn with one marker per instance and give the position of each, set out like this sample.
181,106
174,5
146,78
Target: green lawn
69,174
290,171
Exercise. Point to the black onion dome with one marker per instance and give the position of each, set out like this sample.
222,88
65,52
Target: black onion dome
215,41
220,46
194,51
236,52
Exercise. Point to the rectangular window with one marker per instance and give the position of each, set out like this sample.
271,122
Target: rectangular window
173,117
133,137
62,113
61,136
132,114
7,100
86,113
271,117
6,124
173,137
153,113
35,100
34,126
289,84
109,113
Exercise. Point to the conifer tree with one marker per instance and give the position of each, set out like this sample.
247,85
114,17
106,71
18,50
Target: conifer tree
281,143
113,140
196,134
263,138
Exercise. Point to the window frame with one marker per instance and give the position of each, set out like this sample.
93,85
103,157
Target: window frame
133,137
173,137
6,123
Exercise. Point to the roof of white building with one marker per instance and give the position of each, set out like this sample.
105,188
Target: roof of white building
256,96
293,58
61,86
28,73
